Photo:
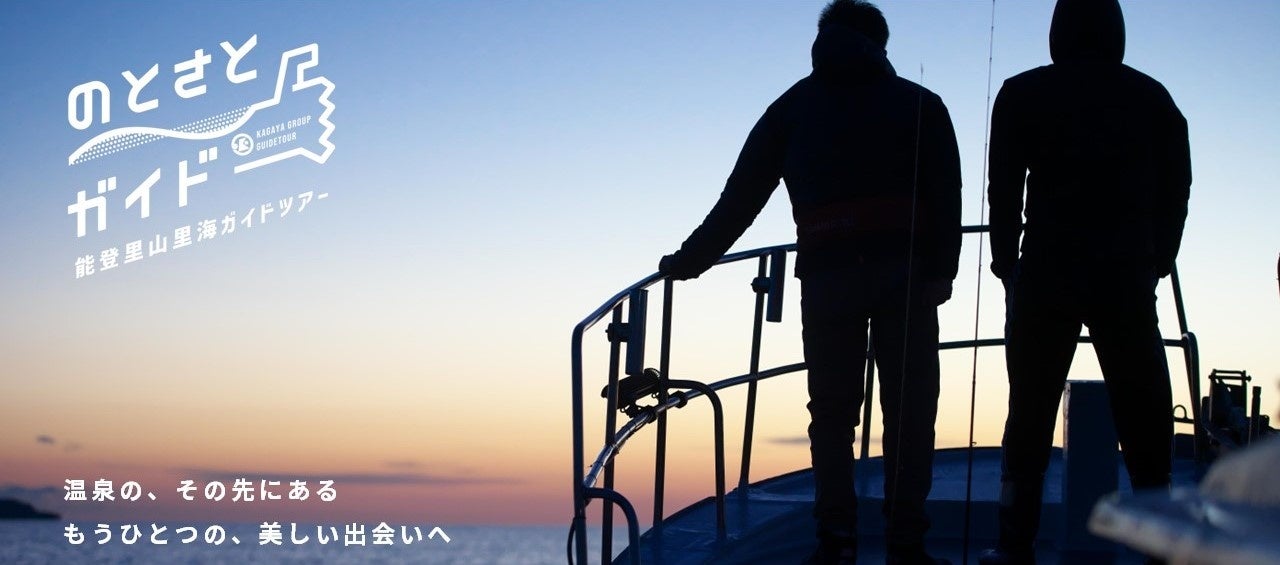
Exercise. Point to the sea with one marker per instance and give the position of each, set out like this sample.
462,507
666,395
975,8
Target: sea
47,541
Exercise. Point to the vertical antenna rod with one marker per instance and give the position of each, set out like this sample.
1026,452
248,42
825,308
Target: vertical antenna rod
977,307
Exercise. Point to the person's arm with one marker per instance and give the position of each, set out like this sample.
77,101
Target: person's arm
940,171
754,177
1007,173
1172,192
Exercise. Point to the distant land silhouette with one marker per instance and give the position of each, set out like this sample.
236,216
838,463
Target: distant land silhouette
12,509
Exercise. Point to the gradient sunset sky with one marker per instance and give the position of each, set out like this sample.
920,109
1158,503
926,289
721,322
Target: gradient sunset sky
500,170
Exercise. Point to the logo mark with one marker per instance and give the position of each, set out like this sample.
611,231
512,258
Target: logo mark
242,144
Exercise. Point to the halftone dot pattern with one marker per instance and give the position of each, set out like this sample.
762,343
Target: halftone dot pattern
129,141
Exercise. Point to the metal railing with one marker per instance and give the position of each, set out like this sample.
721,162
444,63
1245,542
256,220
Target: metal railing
768,286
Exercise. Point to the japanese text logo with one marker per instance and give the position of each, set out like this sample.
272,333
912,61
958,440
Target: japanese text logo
275,122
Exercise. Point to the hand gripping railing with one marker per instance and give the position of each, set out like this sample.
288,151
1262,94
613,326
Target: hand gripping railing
768,287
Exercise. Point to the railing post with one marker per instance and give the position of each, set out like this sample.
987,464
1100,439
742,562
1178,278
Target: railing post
1191,356
749,421
1255,415
610,428
1179,307
660,449
579,490
633,523
866,398
717,412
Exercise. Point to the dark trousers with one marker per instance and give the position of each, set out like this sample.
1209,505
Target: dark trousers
836,308
1045,308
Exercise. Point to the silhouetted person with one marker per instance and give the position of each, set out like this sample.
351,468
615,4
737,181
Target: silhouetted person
1103,152
857,146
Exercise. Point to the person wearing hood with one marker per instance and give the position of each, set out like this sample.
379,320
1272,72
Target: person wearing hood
873,175
1103,154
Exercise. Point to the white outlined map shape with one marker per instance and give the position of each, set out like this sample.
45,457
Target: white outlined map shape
301,82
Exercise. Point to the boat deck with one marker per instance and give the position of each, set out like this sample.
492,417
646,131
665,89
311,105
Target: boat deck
771,521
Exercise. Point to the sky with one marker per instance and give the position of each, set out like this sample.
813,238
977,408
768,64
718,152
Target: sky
498,170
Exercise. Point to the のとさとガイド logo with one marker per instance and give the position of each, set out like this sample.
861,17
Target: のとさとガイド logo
271,122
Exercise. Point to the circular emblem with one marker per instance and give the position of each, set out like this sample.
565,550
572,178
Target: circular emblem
242,144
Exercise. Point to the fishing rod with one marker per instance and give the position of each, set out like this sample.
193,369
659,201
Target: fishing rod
977,308
906,315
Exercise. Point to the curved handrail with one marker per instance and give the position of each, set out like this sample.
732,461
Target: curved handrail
599,313
650,414
584,483
594,317
579,492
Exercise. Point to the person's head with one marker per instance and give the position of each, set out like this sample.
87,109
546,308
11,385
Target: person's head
1087,30
859,15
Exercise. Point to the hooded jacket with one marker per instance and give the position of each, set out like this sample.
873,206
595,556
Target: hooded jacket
856,145
1102,150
